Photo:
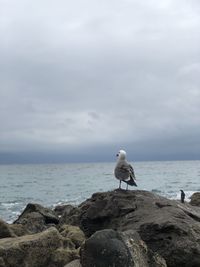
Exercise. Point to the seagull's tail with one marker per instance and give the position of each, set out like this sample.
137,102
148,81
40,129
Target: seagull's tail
131,181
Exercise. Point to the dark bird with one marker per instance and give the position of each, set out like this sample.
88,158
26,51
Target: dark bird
182,196
124,171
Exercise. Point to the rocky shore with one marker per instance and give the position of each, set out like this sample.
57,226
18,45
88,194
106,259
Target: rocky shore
111,229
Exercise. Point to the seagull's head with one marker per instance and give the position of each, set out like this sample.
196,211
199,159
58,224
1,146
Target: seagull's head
121,154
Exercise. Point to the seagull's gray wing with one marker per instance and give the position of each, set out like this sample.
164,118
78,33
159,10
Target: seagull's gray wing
132,174
123,170
131,181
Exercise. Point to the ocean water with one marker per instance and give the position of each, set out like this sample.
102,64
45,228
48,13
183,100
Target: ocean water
53,184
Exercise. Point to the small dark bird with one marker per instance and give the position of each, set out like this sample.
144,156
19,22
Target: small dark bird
182,196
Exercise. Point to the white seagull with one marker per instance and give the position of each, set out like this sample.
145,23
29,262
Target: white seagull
123,170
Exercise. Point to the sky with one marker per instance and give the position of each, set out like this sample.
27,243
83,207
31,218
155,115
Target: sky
80,80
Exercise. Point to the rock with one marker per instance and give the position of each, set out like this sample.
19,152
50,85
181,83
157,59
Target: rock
30,250
50,247
129,228
70,216
49,215
36,218
75,263
67,243
2,263
195,199
33,222
108,248
12,230
19,229
141,254
61,209
169,228
74,233
5,230
63,256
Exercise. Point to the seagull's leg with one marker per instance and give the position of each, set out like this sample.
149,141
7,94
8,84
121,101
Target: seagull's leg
126,186
120,184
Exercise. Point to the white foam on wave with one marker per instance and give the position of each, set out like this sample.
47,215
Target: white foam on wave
75,201
9,204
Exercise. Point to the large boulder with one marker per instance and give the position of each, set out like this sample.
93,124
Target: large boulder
36,218
169,228
106,248
111,248
30,250
195,199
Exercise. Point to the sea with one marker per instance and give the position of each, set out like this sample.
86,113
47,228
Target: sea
55,184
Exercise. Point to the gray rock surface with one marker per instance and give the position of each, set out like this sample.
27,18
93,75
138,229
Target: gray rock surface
168,227
141,254
106,248
36,218
112,248
61,209
74,233
125,228
70,215
30,250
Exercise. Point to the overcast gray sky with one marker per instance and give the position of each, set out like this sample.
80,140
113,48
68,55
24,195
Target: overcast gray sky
81,79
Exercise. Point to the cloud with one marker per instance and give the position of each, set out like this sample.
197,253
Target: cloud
80,75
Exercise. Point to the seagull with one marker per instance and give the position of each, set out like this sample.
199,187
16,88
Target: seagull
123,170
